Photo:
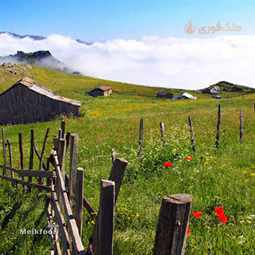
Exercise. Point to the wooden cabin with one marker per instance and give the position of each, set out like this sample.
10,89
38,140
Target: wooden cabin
101,91
26,102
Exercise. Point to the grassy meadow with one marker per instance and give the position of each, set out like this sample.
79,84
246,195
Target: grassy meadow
214,177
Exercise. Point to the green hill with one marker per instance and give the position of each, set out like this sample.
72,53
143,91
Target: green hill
213,177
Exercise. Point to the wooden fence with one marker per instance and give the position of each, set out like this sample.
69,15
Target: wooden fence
63,181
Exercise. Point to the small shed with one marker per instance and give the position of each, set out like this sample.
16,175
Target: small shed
185,95
164,94
101,91
26,102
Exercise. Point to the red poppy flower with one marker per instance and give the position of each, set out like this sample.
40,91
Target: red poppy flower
220,214
168,164
219,210
188,231
197,214
223,218
188,158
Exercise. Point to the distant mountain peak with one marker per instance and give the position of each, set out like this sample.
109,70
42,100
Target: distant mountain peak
34,37
39,58
39,37
228,87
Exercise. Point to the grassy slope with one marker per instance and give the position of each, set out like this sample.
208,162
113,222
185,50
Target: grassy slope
223,177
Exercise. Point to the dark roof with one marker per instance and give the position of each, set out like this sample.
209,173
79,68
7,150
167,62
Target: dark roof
30,84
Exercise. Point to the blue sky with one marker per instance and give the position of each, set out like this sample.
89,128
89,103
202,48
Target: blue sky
107,19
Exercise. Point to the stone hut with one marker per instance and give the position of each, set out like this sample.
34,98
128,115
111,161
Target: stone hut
26,102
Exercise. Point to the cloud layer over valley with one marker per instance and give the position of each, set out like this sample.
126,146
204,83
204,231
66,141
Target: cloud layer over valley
168,62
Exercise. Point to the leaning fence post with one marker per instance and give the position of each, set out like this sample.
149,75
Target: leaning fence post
61,154
173,221
9,146
104,244
43,147
141,139
241,126
78,212
117,173
192,134
217,143
162,130
4,152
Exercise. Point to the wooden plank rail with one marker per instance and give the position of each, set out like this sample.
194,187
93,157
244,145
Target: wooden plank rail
26,183
30,173
60,220
64,200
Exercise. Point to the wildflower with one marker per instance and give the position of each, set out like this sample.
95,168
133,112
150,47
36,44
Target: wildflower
168,164
197,214
188,158
219,210
220,214
188,231
223,219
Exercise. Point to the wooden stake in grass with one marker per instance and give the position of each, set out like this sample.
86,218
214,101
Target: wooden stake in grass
141,139
73,166
4,151
31,157
241,126
162,131
9,146
104,244
79,190
217,142
192,134
173,222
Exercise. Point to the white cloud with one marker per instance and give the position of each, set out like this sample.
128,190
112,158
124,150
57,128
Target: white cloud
170,62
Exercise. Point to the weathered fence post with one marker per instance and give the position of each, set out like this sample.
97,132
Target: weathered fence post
63,129
254,107
61,154
21,155
73,166
9,146
241,126
104,244
43,147
172,225
4,152
117,173
79,189
31,156
162,131
141,139
217,142
192,134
